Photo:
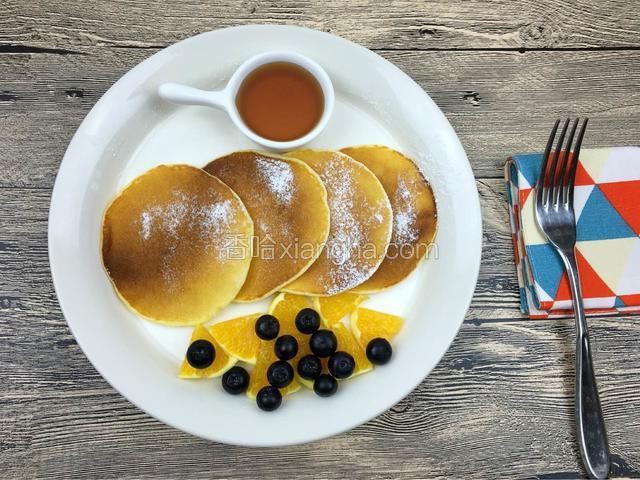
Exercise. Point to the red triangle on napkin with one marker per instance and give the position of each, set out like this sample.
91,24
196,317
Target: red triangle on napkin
582,177
592,285
624,196
630,299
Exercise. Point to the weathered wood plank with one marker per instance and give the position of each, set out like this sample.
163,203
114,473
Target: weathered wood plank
499,404
498,102
399,24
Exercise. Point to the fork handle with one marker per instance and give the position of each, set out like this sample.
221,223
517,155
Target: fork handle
592,435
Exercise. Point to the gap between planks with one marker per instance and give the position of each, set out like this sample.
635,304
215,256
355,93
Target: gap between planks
27,49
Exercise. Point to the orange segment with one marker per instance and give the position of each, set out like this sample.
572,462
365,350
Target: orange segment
258,377
335,308
221,364
347,343
285,307
238,337
306,383
368,324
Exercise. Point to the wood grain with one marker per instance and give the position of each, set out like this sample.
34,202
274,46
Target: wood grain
500,402
68,26
499,102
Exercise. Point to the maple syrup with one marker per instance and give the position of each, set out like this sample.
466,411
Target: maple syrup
280,101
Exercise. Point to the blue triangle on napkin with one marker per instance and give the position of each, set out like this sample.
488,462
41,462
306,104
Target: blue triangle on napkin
529,166
591,224
547,266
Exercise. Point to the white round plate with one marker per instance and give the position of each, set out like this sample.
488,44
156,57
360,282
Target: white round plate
130,130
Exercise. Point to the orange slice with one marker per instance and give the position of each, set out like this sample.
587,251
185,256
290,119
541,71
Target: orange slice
368,324
238,337
347,343
258,377
285,307
221,364
335,308
306,383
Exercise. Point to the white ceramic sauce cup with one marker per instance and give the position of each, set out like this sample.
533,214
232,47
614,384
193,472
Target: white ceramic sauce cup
226,99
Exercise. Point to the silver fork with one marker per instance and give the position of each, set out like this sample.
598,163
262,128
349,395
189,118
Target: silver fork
555,217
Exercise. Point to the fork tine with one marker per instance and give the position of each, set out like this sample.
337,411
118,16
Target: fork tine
560,193
553,177
574,165
541,184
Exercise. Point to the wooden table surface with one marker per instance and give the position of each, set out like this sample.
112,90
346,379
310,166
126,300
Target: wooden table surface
499,404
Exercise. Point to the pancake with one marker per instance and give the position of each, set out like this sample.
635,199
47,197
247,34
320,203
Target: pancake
414,213
288,204
361,222
170,245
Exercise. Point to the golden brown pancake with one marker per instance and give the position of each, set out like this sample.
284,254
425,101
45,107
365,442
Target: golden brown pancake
361,222
288,204
414,213
169,245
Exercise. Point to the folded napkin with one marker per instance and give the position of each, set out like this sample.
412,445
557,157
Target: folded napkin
607,206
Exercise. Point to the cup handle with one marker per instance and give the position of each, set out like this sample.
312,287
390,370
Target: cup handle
185,95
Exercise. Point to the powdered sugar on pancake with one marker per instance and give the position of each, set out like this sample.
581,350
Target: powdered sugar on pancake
185,210
265,229
146,220
404,213
278,177
347,243
186,216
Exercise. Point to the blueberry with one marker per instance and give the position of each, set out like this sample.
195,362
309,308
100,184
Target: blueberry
307,320
286,347
341,365
323,343
267,327
379,351
201,354
280,374
235,380
325,385
269,398
309,367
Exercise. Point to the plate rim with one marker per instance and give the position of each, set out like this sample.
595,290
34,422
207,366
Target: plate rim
96,109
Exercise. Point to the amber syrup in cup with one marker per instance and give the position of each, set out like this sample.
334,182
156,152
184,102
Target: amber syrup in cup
280,101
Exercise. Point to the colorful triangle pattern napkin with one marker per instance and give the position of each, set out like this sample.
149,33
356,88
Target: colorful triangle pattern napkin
607,206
